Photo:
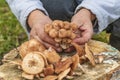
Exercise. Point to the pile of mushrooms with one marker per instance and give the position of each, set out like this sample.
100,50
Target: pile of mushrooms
39,62
45,63
62,32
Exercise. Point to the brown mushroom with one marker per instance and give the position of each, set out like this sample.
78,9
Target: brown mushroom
35,45
50,77
73,36
82,59
75,60
44,58
51,55
66,25
47,28
58,23
89,55
29,46
23,50
62,33
69,33
79,49
49,70
73,26
58,40
62,65
63,74
53,33
33,63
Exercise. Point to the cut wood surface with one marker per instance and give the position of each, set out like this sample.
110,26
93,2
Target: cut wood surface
107,70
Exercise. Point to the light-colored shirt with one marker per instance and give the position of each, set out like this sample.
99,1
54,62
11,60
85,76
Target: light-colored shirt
106,11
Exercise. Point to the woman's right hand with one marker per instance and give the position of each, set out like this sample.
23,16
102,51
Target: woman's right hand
36,21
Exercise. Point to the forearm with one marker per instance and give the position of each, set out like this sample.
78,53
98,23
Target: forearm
22,9
87,13
36,16
106,11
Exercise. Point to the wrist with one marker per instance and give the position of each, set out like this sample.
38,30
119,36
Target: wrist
92,16
88,13
34,17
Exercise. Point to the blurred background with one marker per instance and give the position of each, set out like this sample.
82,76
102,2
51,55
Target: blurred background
12,34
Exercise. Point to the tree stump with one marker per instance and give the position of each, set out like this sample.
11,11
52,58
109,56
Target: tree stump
108,70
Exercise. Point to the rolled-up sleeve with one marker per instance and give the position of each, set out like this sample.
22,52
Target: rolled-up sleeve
106,11
22,8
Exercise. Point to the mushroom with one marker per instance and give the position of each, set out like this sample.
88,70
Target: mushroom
82,59
23,50
89,55
29,46
73,36
75,60
35,45
53,33
62,65
63,74
66,25
51,55
47,28
44,58
79,49
33,63
50,77
49,70
62,33
57,24
73,26
58,40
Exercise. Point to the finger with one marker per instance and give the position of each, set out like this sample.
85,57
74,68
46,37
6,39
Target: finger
86,34
48,39
32,34
85,38
78,23
47,45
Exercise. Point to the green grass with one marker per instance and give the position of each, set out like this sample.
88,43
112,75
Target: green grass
103,36
12,34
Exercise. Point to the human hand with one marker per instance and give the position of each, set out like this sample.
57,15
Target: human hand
37,21
83,19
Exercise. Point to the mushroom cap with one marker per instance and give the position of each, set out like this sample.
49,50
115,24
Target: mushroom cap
33,63
89,55
29,46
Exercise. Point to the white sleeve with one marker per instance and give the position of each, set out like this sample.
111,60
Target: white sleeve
106,11
22,8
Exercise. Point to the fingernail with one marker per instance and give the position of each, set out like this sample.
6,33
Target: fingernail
57,45
59,49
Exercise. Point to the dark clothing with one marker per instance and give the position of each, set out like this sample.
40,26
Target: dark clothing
114,29
115,41
60,9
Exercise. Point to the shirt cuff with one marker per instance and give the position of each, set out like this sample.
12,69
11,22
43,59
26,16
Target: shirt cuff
25,14
94,8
